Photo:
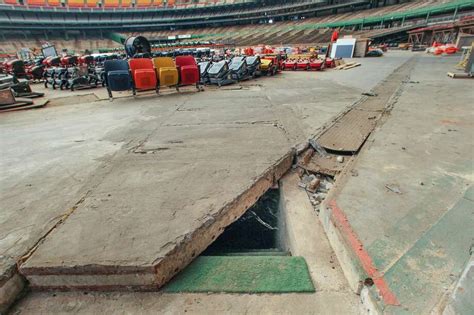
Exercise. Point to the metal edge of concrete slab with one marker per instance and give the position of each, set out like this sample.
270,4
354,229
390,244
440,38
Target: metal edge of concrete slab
147,278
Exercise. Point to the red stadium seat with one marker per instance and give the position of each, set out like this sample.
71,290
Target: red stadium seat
188,70
143,74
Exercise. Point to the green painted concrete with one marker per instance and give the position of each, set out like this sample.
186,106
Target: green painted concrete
439,249
244,274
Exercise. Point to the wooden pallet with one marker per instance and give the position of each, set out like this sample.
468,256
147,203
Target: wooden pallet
347,66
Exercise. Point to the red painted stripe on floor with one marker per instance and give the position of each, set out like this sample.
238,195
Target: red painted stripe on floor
387,295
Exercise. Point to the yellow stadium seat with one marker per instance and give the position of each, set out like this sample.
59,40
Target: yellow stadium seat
143,3
36,2
166,71
75,3
126,3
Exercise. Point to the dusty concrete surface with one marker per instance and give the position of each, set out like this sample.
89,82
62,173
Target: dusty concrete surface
56,156
411,203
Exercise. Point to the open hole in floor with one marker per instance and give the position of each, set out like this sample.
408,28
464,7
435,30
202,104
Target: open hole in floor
260,231
250,256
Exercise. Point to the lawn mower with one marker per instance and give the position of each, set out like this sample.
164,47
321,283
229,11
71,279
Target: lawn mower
316,64
35,71
253,65
330,63
220,74
238,69
271,64
303,64
16,68
51,63
19,87
289,64
203,70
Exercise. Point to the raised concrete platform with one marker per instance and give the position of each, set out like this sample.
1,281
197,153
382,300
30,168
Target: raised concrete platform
404,223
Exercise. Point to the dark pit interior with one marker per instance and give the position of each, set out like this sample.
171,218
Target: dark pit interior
259,231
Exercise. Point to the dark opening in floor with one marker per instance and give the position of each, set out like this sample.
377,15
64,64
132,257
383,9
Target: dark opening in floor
258,231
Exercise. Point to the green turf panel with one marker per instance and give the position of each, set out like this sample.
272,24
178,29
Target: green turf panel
244,274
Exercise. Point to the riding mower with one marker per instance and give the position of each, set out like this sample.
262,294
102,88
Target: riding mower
19,88
289,64
35,72
317,64
238,68
271,64
220,74
253,65
16,68
51,64
16,80
330,63
203,70
303,65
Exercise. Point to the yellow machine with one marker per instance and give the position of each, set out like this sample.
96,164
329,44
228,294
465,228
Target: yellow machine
166,71
265,64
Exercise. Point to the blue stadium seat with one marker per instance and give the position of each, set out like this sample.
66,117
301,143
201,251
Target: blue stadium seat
117,76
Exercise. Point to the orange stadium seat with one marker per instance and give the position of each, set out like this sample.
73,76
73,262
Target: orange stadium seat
111,3
143,3
171,3
10,2
54,3
75,3
158,3
35,2
91,3
126,3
